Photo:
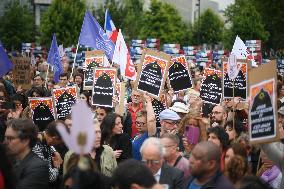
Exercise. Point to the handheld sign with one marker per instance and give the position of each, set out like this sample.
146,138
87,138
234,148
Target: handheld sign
104,86
22,72
262,111
158,107
42,110
238,85
93,59
152,72
179,75
211,87
64,98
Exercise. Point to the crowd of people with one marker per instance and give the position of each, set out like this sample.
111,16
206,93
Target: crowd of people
186,148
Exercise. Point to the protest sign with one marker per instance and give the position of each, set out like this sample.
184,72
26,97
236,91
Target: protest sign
42,110
211,87
22,72
179,75
238,86
262,111
158,107
104,86
280,66
92,59
152,72
64,98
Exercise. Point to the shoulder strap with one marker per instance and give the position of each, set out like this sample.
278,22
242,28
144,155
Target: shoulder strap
179,157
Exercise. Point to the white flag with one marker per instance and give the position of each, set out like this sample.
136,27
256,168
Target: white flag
240,49
121,56
233,69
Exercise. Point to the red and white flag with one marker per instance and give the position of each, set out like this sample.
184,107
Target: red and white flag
121,56
110,28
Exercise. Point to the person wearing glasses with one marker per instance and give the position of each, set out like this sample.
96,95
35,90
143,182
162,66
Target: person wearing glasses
153,152
146,127
30,171
218,116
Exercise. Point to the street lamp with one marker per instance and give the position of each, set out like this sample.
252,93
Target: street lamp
198,22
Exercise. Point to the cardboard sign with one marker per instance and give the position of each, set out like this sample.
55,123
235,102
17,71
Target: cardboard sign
179,74
42,110
120,93
239,83
64,98
152,72
211,87
262,111
93,59
22,72
104,86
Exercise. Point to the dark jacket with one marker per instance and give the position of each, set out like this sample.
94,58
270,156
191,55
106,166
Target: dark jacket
171,176
219,181
122,142
31,173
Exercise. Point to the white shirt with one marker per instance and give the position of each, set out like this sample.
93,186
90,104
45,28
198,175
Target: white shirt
158,175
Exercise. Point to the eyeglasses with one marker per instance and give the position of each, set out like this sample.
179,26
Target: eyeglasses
169,146
136,96
151,162
10,138
140,123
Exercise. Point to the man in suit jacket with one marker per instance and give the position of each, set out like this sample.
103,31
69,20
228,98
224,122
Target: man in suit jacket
152,152
31,172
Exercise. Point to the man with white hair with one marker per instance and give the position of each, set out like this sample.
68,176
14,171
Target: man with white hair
152,152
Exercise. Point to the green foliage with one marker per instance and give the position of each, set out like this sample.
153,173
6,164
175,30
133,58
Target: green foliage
164,22
209,29
245,22
272,15
65,18
17,26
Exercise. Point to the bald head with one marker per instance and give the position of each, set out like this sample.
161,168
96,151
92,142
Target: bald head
210,150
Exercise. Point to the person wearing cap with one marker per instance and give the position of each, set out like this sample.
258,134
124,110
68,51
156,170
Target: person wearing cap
180,108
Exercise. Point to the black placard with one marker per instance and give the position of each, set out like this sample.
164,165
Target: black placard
42,111
179,77
104,86
211,89
239,84
64,99
151,79
158,107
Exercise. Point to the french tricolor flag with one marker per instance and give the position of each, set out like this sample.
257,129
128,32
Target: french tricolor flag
110,28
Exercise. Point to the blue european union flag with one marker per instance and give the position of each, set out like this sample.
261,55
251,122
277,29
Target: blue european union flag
54,59
92,35
5,64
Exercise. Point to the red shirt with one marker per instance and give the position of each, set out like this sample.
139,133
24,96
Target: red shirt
134,130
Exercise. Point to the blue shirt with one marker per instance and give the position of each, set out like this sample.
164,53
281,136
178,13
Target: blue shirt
136,145
193,185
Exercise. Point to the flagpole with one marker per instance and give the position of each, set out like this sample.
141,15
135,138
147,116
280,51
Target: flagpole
46,75
73,66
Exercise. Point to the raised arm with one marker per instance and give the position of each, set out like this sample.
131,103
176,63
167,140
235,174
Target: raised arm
151,119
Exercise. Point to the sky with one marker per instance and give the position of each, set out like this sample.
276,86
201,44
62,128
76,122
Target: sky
224,3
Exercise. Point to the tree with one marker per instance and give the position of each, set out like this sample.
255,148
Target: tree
208,29
164,22
17,26
272,15
64,18
245,22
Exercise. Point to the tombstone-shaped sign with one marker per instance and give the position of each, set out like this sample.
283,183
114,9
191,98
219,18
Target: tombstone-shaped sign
211,87
93,59
64,98
263,124
179,75
152,73
238,85
104,86
42,110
